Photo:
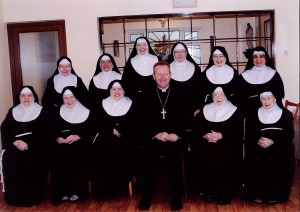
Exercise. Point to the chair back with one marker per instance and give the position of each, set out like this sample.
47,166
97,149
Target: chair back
292,104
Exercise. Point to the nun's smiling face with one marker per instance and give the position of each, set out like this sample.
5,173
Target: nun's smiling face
219,97
117,92
142,48
219,59
259,60
267,101
64,69
106,65
69,100
26,99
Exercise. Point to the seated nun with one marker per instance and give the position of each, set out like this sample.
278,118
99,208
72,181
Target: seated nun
112,165
217,138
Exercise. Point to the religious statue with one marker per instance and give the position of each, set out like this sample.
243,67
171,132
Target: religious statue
249,36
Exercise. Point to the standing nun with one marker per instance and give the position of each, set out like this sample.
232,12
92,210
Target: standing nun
220,72
112,147
186,74
63,76
259,75
69,174
138,70
106,71
24,142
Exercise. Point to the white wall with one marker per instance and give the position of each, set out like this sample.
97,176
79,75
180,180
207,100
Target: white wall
82,30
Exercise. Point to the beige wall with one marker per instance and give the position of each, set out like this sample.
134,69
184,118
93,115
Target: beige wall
5,82
83,41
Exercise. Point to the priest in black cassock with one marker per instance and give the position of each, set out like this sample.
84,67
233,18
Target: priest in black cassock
163,115
24,136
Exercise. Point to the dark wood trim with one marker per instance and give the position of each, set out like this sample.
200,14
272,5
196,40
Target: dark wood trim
13,30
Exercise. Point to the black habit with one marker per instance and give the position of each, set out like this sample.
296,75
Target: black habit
269,171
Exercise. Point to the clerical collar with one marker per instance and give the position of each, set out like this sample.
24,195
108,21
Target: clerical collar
163,89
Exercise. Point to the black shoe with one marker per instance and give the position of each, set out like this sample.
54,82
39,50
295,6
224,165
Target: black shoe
144,204
223,200
208,198
176,205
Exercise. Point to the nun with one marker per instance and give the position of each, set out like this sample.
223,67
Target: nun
260,75
63,76
106,71
186,74
112,145
24,150
220,72
138,70
72,135
270,160
218,135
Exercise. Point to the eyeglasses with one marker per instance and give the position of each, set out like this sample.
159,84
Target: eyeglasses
216,56
218,94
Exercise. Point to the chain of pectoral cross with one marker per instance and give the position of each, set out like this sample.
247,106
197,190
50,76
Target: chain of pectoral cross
163,111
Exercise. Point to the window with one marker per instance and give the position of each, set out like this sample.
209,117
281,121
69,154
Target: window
199,31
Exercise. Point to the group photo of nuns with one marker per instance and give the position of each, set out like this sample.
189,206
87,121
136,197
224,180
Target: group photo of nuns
95,140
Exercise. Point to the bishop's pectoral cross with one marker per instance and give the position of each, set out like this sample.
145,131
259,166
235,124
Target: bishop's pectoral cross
163,112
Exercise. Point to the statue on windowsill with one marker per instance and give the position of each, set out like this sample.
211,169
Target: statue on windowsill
249,36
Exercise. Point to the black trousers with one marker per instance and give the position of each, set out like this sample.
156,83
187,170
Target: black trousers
170,152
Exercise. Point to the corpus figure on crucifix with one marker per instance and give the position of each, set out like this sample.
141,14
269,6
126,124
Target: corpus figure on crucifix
163,114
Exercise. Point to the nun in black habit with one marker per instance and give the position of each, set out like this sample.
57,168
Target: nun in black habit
138,70
218,133
187,75
106,71
112,163
269,152
72,135
259,75
220,72
24,142
63,76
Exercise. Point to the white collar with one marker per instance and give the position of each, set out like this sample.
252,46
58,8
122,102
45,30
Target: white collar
61,81
220,75
269,116
75,115
216,113
143,64
26,114
259,75
182,71
116,107
103,79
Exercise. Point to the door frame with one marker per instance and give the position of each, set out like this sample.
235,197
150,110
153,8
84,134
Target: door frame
13,31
